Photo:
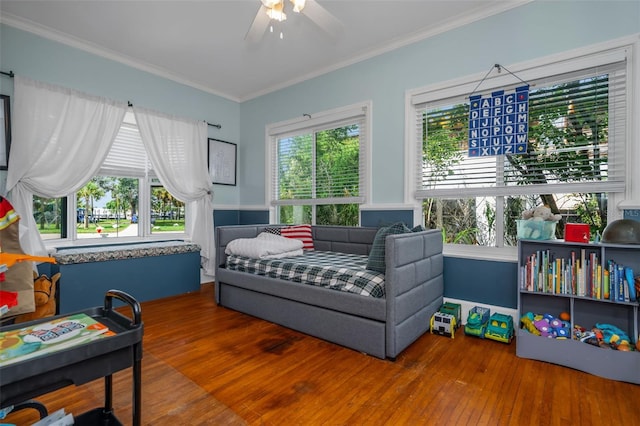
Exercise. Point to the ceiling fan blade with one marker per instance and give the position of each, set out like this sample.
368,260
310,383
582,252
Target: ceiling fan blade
322,18
258,27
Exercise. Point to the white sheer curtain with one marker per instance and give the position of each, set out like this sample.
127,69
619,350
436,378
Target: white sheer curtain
60,139
177,149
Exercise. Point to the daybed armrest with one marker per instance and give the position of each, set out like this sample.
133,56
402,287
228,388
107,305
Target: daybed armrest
414,285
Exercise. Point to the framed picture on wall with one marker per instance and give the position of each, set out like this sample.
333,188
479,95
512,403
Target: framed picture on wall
5,134
222,162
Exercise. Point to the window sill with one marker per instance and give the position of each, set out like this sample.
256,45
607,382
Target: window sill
497,254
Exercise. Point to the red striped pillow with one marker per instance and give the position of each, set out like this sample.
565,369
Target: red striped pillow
299,232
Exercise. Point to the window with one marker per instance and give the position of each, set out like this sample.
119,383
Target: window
50,215
167,213
123,200
107,206
318,167
574,162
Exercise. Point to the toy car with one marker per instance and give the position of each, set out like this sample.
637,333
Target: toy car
452,309
443,324
500,328
477,321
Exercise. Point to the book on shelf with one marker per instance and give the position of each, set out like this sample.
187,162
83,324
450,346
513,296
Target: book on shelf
50,336
578,273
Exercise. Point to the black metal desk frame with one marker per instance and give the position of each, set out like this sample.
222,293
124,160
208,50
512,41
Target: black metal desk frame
22,381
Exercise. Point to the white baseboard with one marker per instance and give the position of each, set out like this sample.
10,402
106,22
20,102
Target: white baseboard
204,278
466,305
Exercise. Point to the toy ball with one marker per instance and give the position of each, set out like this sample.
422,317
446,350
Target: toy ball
565,316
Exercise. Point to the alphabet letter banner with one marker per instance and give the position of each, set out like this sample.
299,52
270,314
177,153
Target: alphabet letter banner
499,124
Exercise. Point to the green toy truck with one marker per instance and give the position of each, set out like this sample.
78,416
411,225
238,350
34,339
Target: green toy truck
477,321
500,328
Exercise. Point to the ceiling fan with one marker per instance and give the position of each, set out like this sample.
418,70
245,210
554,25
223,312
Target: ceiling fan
274,10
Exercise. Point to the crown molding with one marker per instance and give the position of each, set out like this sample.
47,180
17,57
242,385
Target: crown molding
63,38
454,23
51,34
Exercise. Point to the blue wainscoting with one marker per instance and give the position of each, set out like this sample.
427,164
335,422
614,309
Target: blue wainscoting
378,218
374,218
240,217
226,217
482,281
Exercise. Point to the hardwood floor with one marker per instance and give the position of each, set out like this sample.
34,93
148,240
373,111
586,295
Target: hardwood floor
205,364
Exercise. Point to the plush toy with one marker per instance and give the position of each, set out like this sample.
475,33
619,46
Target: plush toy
19,277
534,224
526,322
550,326
614,337
541,213
44,292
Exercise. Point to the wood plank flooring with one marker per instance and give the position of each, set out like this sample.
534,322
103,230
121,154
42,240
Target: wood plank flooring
208,365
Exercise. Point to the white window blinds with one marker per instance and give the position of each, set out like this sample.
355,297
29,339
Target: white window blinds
577,132
127,157
320,160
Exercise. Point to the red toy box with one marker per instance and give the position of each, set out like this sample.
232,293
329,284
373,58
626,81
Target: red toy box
577,232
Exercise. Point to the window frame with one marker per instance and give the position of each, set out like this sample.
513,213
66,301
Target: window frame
312,123
562,63
146,181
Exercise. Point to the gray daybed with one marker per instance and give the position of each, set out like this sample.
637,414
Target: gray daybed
381,327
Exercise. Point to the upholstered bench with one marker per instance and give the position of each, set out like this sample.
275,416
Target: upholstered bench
146,270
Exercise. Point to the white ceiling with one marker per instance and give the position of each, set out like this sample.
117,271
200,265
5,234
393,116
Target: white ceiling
201,43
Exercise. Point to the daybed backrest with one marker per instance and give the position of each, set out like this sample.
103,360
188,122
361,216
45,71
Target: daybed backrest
343,239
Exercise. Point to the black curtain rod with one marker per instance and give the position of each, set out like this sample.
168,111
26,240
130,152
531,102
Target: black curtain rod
217,126
8,74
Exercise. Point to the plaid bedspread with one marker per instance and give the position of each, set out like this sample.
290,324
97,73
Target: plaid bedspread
338,271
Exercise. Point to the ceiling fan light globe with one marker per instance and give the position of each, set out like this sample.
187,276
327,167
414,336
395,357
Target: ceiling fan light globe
298,5
277,12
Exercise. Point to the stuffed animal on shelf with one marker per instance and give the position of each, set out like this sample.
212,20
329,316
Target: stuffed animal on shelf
44,294
540,213
538,223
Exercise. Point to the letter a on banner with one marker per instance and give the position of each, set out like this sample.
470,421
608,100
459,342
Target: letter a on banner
499,124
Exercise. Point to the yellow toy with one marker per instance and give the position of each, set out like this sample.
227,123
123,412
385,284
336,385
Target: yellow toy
527,323
44,294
